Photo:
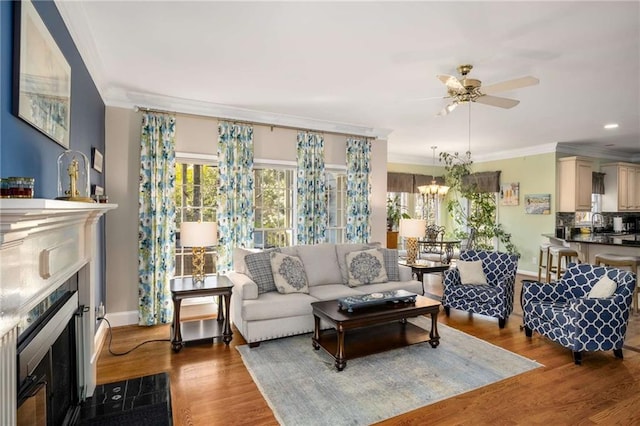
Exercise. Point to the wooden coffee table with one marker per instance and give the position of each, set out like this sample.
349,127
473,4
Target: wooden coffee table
372,329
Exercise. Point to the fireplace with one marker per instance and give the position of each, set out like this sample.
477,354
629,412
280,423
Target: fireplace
49,271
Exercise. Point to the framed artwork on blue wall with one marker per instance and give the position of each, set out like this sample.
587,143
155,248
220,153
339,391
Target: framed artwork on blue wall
42,76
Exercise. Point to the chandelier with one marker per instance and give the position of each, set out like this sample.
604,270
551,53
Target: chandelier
433,190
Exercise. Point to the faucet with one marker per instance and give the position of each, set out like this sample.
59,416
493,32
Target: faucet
593,221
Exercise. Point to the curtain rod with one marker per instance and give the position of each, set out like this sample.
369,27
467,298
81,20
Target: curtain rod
162,111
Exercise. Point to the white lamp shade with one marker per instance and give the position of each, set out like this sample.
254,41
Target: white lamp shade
198,234
412,228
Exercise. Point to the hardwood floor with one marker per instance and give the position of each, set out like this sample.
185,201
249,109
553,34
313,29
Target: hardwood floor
210,385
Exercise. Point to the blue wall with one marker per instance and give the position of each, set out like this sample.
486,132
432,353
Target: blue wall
24,151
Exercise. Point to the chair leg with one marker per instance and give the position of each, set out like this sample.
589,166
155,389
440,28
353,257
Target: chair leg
502,322
447,310
577,358
527,331
618,353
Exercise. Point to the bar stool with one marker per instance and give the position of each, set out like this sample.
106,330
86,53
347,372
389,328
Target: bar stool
543,260
559,253
632,262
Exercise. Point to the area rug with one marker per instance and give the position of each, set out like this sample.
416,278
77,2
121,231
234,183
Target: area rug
302,386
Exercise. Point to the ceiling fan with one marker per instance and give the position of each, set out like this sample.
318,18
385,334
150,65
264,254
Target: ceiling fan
471,90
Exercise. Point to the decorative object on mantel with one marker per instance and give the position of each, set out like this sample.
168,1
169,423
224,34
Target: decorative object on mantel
434,190
42,77
198,236
17,187
73,177
96,160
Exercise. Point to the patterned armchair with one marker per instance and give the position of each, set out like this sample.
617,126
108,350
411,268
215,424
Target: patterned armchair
563,312
495,298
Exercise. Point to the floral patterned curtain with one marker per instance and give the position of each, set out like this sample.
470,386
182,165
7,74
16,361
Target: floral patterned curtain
312,195
235,191
358,190
156,230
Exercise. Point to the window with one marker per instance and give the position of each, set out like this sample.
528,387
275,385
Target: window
196,197
336,204
274,207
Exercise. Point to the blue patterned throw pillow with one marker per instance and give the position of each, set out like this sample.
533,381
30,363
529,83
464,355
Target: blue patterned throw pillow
366,267
289,274
259,267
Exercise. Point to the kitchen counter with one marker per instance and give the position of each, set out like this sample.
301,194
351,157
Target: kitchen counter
589,245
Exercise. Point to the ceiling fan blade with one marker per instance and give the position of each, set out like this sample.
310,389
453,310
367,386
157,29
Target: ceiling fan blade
446,110
497,102
509,85
451,82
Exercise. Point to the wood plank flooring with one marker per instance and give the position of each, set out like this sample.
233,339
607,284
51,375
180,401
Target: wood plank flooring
211,386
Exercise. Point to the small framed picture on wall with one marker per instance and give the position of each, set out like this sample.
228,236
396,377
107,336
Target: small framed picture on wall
96,159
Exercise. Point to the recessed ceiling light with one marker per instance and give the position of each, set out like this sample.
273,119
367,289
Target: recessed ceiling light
611,126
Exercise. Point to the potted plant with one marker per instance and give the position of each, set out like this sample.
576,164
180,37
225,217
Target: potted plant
481,216
394,213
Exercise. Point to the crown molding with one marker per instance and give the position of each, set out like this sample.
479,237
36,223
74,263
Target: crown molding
75,18
128,99
597,152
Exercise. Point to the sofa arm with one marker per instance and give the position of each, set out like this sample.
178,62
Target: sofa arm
405,273
243,286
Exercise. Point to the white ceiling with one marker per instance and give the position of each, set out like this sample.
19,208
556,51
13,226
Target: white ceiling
363,67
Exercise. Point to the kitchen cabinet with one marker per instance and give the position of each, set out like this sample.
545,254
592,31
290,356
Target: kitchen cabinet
621,187
574,184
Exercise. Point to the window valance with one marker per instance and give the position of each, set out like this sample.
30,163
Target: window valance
483,181
408,182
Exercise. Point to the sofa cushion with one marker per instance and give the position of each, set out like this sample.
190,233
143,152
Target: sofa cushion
412,286
366,267
275,305
471,272
320,263
259,266
605,287
239,264
333,291
391,263
341,253
288,274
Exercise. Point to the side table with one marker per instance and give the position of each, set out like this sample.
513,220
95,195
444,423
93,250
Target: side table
425,267
202,330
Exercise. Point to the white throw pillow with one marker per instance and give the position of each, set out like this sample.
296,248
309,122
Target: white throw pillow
471,272
288,274
605,287
366,267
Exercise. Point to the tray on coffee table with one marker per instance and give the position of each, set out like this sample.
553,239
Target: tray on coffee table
392,296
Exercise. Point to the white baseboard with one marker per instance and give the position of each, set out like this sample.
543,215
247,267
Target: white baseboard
118,319
99,338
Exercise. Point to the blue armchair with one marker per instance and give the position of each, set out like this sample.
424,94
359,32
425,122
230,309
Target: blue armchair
495,298
563,311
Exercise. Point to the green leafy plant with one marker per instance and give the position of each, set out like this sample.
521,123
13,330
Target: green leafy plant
482,206
394,213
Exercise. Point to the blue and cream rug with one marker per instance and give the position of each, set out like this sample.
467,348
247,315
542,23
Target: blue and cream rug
302,386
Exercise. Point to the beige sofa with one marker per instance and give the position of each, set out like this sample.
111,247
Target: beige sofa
269,315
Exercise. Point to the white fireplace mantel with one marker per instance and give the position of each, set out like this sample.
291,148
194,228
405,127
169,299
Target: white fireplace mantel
42,244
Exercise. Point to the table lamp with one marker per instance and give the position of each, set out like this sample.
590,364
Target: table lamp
198,236
412,229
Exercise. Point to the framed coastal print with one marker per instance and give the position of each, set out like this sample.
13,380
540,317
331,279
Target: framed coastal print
42,81
537,203
510,194
96,159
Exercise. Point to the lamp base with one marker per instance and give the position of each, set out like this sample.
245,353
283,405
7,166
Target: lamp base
198,264
412,250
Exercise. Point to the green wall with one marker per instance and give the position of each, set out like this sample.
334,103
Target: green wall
536,175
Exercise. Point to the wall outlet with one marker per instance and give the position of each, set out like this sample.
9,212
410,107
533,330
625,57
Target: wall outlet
100,311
